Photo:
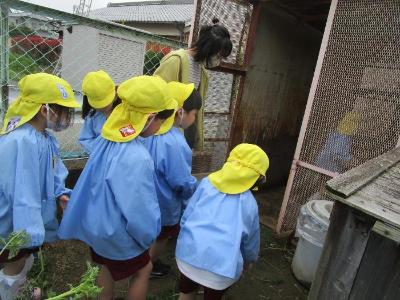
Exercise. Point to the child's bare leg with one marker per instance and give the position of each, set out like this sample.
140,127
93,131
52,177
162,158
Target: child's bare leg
190,296
157,249
14,267
140,283
106,282
13,276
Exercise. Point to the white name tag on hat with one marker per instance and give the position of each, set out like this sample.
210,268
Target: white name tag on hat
63,92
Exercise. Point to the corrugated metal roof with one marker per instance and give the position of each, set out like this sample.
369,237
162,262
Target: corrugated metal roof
146,12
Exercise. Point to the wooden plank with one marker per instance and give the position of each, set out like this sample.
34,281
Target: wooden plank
231,68
379,273
350,182
316,168
380,198
387,231
343,250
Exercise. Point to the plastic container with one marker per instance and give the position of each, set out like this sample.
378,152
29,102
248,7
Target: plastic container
312,225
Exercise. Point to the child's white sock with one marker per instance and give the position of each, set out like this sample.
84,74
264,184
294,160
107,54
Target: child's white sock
10,284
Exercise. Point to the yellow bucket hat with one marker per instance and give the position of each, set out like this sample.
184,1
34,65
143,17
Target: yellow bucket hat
34,91
245,164
180,92
349,124
141,96
99,89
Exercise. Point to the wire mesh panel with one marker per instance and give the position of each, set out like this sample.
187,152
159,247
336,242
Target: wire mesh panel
217,123
38,39
223,87
355,114
235,15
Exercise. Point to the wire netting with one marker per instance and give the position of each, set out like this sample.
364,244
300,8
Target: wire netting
223,87
356,109
38,39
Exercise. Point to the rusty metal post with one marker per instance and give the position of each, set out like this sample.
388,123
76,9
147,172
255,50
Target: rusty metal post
255,16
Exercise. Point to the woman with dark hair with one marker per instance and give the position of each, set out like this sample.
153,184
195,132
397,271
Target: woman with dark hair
189,66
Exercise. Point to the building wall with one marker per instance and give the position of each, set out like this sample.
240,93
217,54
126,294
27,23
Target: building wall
276,88
88,49
79,55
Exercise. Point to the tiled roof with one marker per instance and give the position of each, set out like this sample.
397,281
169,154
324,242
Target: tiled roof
147,12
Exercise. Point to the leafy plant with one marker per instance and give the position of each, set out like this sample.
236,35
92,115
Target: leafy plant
151,61
14,242
21,65
36,278
87,287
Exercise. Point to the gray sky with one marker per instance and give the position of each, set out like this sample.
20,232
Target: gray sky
66,5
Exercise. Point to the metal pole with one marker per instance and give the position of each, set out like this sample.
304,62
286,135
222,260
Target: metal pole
307,114
4,31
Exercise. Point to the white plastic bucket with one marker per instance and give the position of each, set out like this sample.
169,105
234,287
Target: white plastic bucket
312,225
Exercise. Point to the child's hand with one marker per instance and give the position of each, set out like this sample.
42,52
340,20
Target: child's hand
63,200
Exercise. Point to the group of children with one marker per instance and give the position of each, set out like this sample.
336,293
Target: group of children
136,191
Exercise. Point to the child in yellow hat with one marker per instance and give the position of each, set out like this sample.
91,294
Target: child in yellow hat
99,99
220,228
32,174
173,166
337,150
114,207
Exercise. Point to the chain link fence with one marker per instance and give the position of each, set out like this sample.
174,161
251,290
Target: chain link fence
38,39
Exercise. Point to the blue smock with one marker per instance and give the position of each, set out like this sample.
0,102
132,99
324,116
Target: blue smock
336,153
32,177
113,207
219,232
173,164
91,129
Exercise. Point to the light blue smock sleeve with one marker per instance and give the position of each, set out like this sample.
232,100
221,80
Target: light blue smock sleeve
27,195
60,174
60,171
189,207
91,129
250,246
176,170
132,187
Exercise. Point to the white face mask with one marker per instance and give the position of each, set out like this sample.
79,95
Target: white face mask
213,61
55,126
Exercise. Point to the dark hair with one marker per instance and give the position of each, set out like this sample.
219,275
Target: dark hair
193,101
87,110
165,114
212,40
64,112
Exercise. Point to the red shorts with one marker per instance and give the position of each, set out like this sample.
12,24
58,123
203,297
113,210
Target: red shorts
22,253
187,286
121,269
170,231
